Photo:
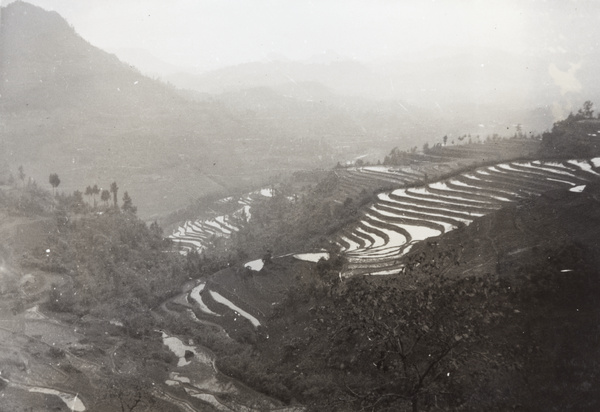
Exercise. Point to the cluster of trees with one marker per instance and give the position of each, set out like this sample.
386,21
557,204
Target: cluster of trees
115,263
105,195
287,222
575,136
12,181
398,157
30,200
26,198
75,203
76,200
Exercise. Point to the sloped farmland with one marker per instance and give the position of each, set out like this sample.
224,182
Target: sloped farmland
400,218
198,234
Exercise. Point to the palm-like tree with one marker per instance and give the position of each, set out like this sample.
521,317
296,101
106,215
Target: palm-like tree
114,190
95,191
88,191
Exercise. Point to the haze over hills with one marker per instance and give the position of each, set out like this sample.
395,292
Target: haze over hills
475,83
73,109
452,277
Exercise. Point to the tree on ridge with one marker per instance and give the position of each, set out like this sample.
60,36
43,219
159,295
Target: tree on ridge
114,189
105,196
128,204
22,175
88,191
95,191
54,181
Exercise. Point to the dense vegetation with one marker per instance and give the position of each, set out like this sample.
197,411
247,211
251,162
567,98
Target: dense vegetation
114,264
298,220
485,318
498,315
575,136
518,333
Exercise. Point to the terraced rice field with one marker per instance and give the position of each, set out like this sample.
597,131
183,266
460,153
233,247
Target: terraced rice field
402,217
198,234
353,180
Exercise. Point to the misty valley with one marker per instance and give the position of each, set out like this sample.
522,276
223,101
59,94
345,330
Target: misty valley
294,236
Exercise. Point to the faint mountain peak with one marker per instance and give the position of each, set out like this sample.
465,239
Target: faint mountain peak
275,57
146,62
328,57
33,20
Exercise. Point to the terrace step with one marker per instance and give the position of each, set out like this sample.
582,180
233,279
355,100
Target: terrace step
422,212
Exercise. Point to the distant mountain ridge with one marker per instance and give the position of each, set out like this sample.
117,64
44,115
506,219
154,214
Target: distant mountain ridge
70,108
73,109
461,81
339,75
458,76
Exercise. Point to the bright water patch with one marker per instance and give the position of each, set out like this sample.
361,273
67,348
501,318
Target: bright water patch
208,398
364,235
223,300
72,401
256,265
396,239
425,214
564,170
385,272
418,233
246,212
560,181
463,184
353,245
213,224
577,189
451,194
178,348
266,192
195,294
312,257
384,169
401,203
476,185
585,166
176,379
378,241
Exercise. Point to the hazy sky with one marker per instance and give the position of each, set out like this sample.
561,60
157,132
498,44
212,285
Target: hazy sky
214,33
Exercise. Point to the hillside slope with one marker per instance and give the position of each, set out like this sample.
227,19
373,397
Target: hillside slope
498,315
69,108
